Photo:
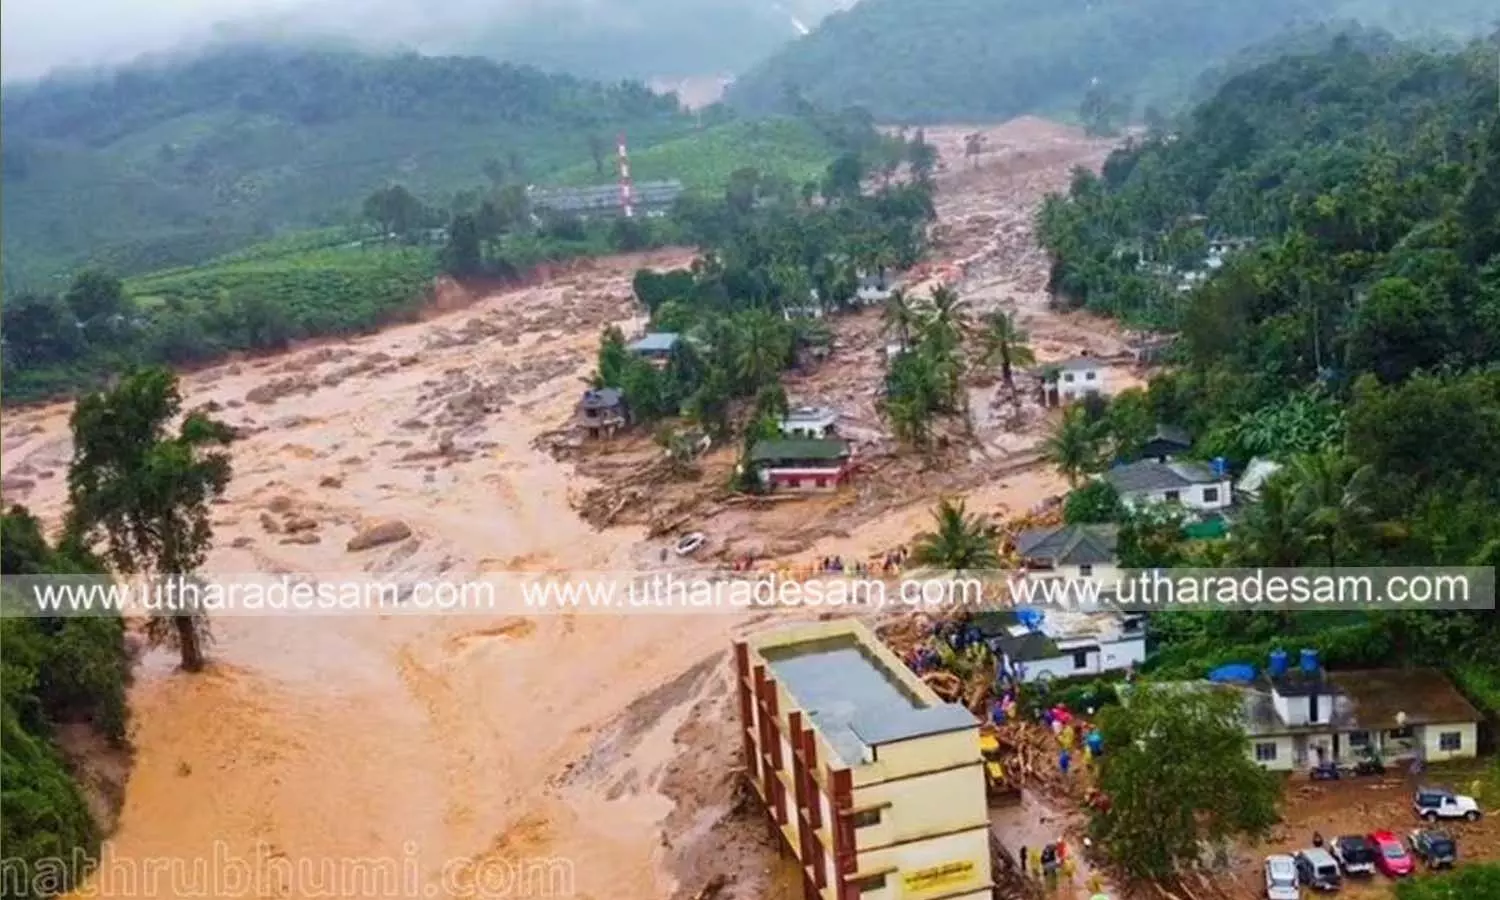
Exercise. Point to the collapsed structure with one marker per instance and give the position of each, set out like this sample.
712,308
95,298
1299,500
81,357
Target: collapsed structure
873,783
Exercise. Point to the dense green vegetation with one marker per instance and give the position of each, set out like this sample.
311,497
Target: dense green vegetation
52,671
961,60
1355,342
1469,881
162,165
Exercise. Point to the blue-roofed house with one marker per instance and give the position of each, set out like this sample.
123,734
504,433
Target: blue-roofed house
656,346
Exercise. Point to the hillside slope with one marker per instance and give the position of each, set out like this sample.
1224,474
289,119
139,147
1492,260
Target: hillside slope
164,165
994,59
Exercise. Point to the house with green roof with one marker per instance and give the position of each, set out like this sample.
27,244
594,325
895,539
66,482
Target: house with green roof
801,464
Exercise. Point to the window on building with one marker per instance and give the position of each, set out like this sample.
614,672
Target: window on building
1359,738
820,482
1068,377
794,482
1173,496
1400,734
1211,495
1450,741
1265,751
873,883
1081,659
866,819
1088,376
1085,569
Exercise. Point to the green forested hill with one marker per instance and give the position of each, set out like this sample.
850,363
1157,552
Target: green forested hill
958,60
164,165
1354,340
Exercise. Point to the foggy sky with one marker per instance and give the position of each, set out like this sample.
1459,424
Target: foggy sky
37,36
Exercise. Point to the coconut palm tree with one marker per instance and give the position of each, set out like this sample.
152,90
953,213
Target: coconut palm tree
1074,445
899,317
1005,343
959,542
1331,501
1270,534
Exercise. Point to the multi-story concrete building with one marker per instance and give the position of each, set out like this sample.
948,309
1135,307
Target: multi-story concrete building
875,784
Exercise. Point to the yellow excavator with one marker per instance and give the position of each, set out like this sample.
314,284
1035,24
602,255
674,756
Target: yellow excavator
997,787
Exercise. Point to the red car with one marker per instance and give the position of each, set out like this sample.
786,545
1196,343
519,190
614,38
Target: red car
1390,857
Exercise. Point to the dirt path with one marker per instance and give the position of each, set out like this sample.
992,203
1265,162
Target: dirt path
597,747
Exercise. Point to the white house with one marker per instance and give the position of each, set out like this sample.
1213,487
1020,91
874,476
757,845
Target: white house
811,422
876,288
1073,379
1299,718
1062,643
1189,484
1073,552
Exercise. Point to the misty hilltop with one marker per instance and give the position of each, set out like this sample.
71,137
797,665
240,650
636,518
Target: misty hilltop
993,59
161,165
606,39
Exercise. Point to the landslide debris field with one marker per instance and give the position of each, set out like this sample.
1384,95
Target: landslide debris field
435,450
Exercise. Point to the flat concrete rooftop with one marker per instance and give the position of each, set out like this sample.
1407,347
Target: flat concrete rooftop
853,700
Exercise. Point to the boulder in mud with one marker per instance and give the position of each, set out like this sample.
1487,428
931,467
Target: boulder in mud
379,534
302,537
269,523
297,524
330,481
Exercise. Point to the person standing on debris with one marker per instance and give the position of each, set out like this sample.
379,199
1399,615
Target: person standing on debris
1025,869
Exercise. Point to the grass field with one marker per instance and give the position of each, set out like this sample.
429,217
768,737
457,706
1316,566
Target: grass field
705,160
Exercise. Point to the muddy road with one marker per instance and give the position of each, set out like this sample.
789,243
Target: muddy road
580,755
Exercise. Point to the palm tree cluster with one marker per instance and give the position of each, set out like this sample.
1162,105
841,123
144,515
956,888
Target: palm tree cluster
924,378
1319,510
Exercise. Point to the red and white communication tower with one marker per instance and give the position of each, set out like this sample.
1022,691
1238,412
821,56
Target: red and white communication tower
627,201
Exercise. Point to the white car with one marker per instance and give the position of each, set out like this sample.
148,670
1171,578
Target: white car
690,543
1281,878
1433,804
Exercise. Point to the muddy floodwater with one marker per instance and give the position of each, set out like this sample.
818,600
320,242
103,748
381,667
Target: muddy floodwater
475,755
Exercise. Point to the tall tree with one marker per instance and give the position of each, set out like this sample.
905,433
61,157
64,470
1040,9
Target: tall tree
1159,815
1073,446
146,491
1332,498
1005,343
958,542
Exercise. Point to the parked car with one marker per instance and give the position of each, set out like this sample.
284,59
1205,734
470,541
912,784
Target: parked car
1317,869
1281,878
1326,771
690,543
1390,857
1435,803
1435,848
1356,855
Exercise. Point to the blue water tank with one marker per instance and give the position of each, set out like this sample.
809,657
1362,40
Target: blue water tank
1220,466
1031,618
1278,663
1309,662
1230,674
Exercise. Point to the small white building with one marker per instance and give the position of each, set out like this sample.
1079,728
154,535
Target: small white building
1073,379
1192,485
1256,474
811,422
1304,716
877,288
1061,643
